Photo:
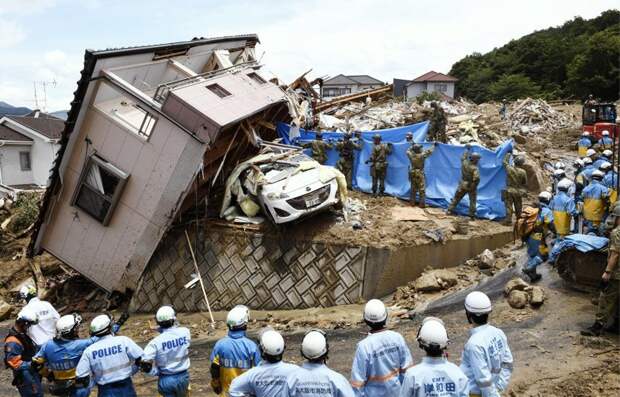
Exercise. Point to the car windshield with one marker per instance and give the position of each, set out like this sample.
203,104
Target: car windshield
281,169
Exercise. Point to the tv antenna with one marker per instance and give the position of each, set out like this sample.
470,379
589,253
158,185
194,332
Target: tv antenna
40,93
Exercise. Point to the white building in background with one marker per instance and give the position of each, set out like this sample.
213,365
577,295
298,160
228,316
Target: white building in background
28,146
431,82
345,85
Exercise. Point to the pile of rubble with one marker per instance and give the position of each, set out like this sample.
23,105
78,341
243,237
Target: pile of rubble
536,115
371,115
519,294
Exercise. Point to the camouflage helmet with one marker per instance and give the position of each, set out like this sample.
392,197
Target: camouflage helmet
409,136
417,147
519,160
347,135
376,137
616,210
475,156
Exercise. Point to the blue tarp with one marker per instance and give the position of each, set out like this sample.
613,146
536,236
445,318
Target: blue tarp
443,168
581,242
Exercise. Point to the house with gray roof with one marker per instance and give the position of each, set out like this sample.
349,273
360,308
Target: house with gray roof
429,82
350,84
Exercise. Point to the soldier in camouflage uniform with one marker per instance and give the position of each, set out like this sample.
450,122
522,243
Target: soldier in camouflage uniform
438,124
319,148
378,164
516,183
470,177
345,163
417,157
610,286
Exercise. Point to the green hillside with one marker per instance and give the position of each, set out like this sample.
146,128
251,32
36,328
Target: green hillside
578,58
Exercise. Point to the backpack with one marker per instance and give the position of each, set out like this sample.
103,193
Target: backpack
526,223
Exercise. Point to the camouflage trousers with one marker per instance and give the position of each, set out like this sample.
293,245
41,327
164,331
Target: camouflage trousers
465,188
513,203
608,302
346,167
378,179
418,185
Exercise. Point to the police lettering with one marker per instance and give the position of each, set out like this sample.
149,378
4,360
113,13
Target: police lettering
107,351
172,344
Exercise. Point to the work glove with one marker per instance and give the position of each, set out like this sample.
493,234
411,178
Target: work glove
216,386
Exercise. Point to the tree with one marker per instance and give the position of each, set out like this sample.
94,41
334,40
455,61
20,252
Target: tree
514,86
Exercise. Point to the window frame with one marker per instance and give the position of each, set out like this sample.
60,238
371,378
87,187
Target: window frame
257,78
29,160
217,90
122,176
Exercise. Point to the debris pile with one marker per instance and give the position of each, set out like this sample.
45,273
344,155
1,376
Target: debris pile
358,116
519,294
536,115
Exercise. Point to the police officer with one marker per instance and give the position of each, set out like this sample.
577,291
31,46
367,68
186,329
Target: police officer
345,163
537,250
109,361
314,378
417,157
486,360
378,164
62,354
584,144
19,349
470,177
604,157
269,378
381,358
595,198
235,353
438,124
516,184
45,329
605,143
610,180
435,375
563,208
610,286
319,148
167,355
593,155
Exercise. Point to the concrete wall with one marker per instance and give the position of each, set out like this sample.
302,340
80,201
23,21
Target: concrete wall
159,169
271,272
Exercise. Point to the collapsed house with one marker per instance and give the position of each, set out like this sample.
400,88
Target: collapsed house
148,127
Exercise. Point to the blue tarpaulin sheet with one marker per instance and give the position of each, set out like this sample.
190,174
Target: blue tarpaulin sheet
581,242
443,168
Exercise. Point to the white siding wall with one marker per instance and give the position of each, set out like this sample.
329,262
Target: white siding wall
416,89
42,156
10,170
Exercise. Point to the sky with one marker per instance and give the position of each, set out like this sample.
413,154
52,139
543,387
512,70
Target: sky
43,41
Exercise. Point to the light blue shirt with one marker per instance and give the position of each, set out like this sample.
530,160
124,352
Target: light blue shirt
109,360
169,351
316,380
434,377
584,142
380,360
487,361
610,179
561,202
595,190
266,380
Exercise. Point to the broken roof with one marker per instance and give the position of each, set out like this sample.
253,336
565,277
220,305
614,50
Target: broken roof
8,134
352,79
45,124
433,76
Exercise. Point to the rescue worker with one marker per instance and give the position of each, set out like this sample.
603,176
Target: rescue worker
381,358
610,180
578,165
409,138
319,148
378,164
595,198
314,378
346,148
470,177
437,130
585,175
604,157
590,100
558,175
417,158
559,166
486,360
109,362
503,110
435,375
605,143
537,250
269,378
607,310
45,329
19,349
62,354
235,353
167,355
584,144
563,208
516,186
593,155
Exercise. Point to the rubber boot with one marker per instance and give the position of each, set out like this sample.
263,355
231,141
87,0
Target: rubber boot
422,200
594,330
532,275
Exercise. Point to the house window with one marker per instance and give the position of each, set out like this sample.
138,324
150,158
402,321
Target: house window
24,161
218,90
257,78
441,87
99,189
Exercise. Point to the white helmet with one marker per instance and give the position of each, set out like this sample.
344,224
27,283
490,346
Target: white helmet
165,315
598,175
432,332
586,133
564,184
100,325
590,152
605,166
544,197
559,173
272,343
608,153
605,133
238,317
578,163
314,345
68,323
559,165
478,303
587,161
28,292
27,316
375,312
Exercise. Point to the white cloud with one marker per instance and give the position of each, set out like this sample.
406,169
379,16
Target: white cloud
25,7
11,33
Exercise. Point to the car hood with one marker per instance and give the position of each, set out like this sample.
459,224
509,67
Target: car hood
297,181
